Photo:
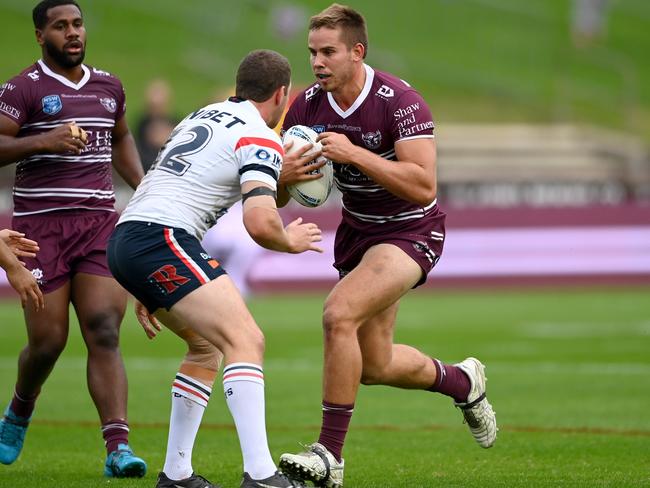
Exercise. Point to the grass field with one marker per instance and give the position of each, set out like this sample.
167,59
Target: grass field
569,375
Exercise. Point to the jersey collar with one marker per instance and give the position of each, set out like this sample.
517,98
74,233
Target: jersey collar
370,76
63,79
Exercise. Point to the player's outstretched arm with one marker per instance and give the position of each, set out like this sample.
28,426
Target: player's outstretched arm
264,224
20,278
126,159
66,138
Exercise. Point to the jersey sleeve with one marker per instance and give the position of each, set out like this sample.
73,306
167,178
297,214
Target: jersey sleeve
260,158
14,100
121,100
411,117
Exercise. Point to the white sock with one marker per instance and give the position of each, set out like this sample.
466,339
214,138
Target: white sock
189,399
243,385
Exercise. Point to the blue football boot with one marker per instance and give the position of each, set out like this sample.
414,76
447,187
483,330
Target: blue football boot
122,463
12,435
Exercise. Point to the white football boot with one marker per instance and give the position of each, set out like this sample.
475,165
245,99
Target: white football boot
316,464
477,411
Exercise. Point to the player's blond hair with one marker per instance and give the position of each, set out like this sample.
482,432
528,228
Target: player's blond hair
352,24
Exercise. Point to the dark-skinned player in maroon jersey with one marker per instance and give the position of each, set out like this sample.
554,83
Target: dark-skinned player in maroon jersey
379,133
63,124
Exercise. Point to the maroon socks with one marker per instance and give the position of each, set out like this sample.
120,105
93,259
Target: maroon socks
115,432
336,420
450,381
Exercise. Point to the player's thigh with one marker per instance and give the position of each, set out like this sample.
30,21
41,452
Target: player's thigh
376,337
215,311
49,325
384,274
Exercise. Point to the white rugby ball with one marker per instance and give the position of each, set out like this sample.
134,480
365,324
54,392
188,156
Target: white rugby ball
311,193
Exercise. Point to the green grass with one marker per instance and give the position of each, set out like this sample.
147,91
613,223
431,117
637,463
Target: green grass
473,60
569,378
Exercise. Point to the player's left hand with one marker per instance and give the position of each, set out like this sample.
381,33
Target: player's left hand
148,322
337,147
295,167
26,286
19,244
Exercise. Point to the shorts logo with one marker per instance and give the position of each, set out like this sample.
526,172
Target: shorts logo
372,140
52,104
109,104
168,278
37,273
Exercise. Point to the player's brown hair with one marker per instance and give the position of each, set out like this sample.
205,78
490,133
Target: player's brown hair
39,14
260,73
351,22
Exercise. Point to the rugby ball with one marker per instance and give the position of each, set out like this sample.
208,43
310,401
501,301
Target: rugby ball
311,193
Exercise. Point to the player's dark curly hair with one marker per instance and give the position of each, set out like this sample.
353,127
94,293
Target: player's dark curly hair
260,73
351,22
39,14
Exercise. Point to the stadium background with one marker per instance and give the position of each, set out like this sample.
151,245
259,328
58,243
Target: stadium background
543,135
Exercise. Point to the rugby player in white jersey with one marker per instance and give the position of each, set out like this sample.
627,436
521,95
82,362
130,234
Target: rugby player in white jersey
216,156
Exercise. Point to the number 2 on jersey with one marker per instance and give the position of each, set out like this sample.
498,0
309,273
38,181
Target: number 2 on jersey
174,161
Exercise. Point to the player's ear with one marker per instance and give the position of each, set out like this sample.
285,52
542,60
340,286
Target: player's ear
39,37
358,52
280,93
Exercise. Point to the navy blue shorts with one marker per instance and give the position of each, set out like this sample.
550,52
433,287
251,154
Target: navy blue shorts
159,265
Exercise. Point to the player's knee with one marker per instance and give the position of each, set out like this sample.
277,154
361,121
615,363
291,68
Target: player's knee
204,355
46,352
256,340
103,331
337,320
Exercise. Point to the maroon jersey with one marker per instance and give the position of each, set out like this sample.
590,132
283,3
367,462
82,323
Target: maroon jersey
39,100
387,110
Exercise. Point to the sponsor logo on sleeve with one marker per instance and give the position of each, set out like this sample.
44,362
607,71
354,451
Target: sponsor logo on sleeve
310,92
6,87
52,104
100,72
372,140
109,104
9,110
34,75
408,124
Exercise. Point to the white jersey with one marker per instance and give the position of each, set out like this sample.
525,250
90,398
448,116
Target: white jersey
198,173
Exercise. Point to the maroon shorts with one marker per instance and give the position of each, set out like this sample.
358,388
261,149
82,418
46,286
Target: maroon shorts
70,242
422,239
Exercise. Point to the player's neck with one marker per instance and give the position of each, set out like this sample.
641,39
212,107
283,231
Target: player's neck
74,74
348,93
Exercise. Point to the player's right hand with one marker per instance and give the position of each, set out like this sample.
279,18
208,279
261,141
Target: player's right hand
65,138
295,167
26,286
148,322
303,236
